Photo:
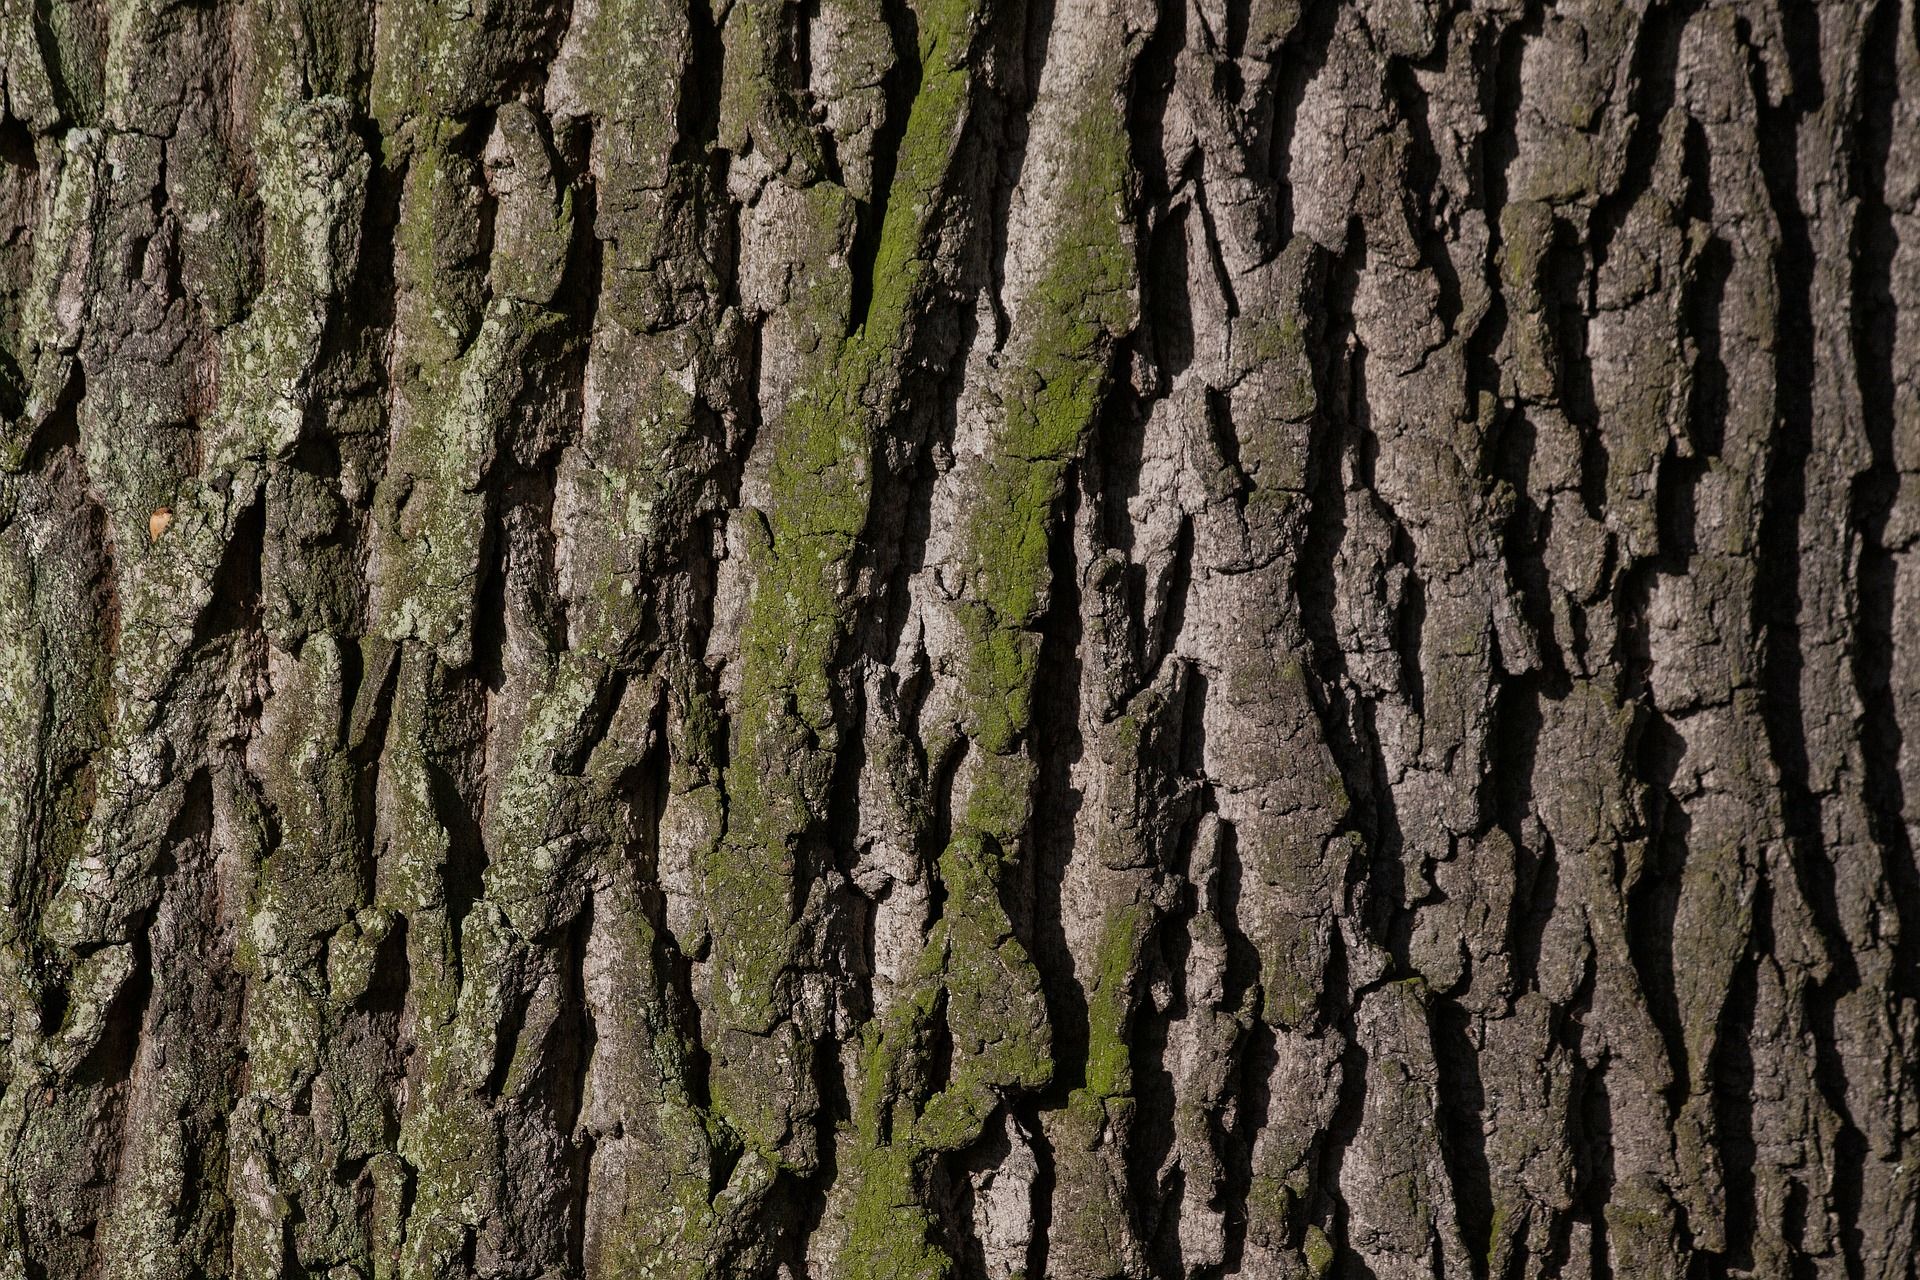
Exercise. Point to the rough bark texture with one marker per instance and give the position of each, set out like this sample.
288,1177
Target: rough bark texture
900,638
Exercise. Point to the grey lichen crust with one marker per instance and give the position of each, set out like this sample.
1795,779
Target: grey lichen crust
950,638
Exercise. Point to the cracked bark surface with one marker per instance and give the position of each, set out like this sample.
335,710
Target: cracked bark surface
916,638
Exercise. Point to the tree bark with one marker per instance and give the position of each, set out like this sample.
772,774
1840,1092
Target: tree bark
916,638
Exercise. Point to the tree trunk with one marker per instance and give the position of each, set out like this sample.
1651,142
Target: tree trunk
914,638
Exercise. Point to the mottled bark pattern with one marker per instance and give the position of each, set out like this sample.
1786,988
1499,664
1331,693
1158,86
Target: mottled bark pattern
915,638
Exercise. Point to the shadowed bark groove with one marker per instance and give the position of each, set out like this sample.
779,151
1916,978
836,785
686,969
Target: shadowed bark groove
933,638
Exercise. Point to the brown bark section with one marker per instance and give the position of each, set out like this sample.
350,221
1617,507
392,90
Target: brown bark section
841,638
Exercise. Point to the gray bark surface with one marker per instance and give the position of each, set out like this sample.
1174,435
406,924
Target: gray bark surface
914,638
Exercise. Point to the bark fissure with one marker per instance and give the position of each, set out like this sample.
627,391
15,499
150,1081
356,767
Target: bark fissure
932,638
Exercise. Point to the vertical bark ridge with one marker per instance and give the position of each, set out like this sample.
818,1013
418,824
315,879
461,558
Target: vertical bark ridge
929,638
